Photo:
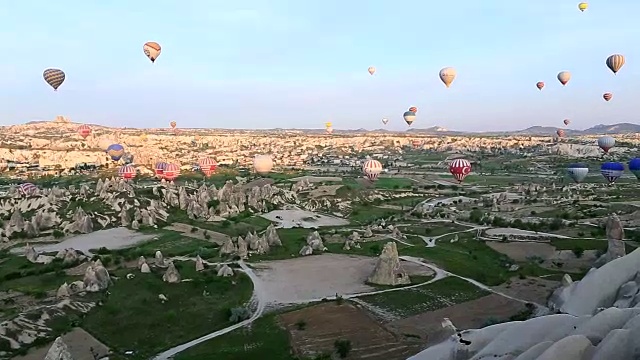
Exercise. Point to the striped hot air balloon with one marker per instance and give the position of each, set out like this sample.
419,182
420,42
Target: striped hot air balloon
606,143
607,96
171,172
115,151
578,171
27,189
540,85
409,117
634,167
208,166
460,168
612,171
416,143
615,62
127,172
371,169
159,169
54,77
152,50
413,109
84,131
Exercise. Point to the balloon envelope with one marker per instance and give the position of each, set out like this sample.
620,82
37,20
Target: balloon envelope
460,168
152,50
583,6
115,151
371,169
606,143
560,132
84,131
262,164
634,167
566,121
371,70
615,62
54,77
27,189
540,85
127,172
612,171
578,171
564,77
385,121
409,117
171,172
447,75
607,96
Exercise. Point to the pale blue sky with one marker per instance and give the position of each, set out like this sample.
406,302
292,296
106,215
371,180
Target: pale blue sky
292,63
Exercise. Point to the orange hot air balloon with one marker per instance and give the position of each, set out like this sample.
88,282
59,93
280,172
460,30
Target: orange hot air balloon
152,50
560,133
413,109
84,131
173,124
540,85
607,96
371,70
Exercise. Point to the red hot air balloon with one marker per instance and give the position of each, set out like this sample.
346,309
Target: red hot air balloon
560,133
416,143
127,172
27,189
413,109
607,96
84,131
540,85
159,169
371,169
460,168
171,172
208,166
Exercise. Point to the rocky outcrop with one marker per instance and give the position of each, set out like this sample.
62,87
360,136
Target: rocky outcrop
388,270
225,271
171,275
272,236
96,277
199,263
59,351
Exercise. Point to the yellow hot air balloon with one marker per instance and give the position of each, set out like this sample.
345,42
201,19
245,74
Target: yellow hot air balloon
152,49
328,124
615,62
583,6
447,75
371,70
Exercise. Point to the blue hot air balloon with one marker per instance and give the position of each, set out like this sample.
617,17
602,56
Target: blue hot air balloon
634,167
115,151
578,171
612,171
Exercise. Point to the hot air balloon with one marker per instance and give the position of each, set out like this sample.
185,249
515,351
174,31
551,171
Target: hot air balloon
583,6
54,77
152,49
566,122
447,75
27,189
607,96
173,124
612,171
371,70
262,164
115,151
371,169
171,172
634,167
127,172
208,166
84,131
416,143
606,143
409,117
385,121
328,127
159,169
615,62
540,85
413,109
560,133
564,77
578,171
460,168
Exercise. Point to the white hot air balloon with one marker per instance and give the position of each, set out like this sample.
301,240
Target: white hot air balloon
447,75
371,169
564,77
385,121
606,143
262,164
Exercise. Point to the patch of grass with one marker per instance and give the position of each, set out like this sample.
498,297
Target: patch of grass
292,241
17,273
586,244
264,339
170,243
366,214
153,326
393,183
438,295
236,226
405,201
433,229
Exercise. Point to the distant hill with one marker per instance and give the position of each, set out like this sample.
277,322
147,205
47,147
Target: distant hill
621,128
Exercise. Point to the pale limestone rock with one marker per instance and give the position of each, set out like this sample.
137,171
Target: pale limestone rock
272,236
242,251
388,270
368,232
199,263
171,275
63,291
144,268
141,260
306,250
228,247
160,261
58,351
225,271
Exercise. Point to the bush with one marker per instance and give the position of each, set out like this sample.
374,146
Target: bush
343,347
239,314
58,234
301,324
578,252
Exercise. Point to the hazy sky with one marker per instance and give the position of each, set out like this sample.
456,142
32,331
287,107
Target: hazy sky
293,63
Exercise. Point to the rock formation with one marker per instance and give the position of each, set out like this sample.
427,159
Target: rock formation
96,277
199,263
225,270
388,270
615,237
58,351
171,275
272,236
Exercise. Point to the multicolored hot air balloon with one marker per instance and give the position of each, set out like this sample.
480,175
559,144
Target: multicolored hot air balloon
634,167
409,117
127,172
583,6
371,169
578,171
371,70
152,50
447,75
173,124
564,77
612,171
115,151
566,122
460,168
606,143
159,169
413,109
208,166
84,131
27,189
560,133
540,85
328,127
171,172
615,62
607,96
54,77
262,164
385,121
